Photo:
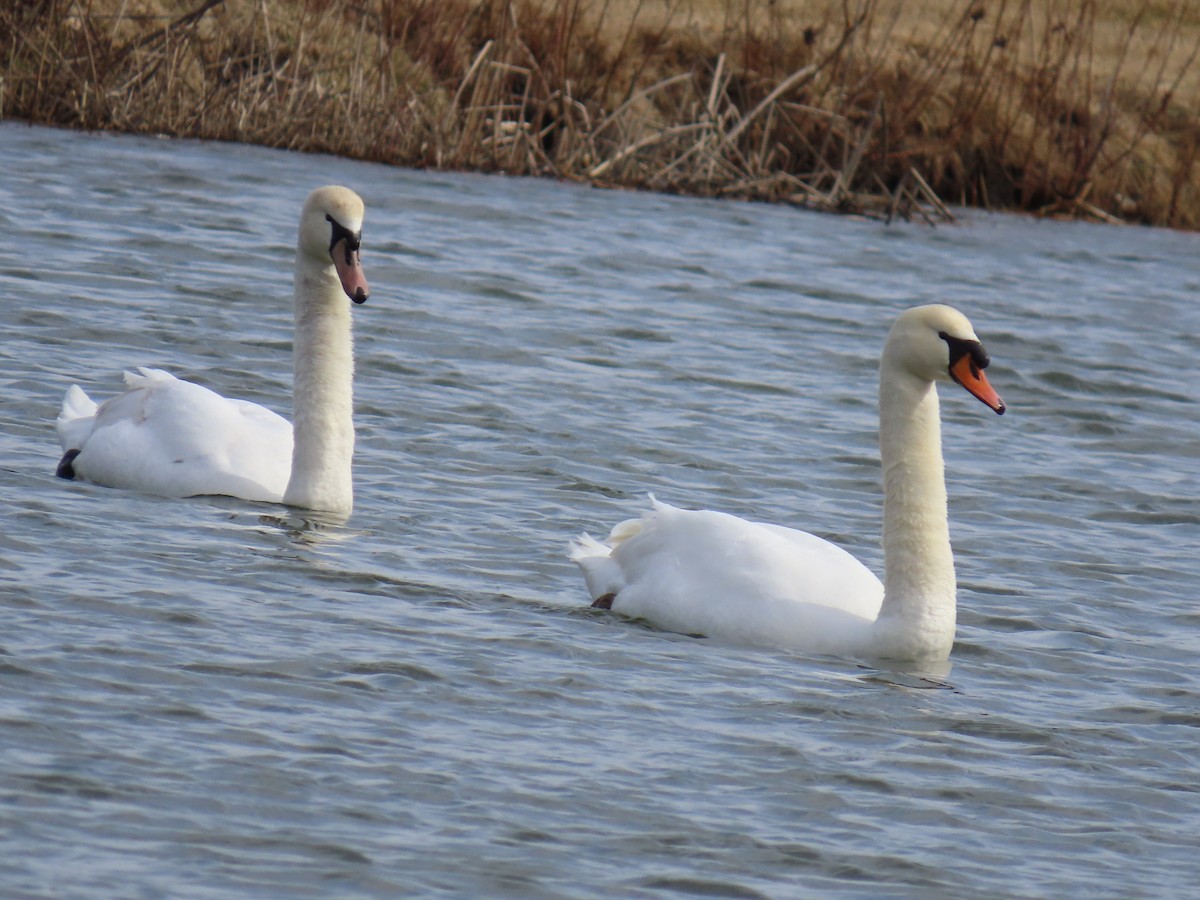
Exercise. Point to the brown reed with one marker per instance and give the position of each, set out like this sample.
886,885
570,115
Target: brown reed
1014,104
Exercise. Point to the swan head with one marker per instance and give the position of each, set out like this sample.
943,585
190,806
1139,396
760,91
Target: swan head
937,343
331,234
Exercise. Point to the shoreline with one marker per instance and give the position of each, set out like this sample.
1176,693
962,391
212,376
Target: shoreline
1005,109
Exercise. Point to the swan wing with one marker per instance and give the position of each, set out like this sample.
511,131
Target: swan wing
711,573
178,439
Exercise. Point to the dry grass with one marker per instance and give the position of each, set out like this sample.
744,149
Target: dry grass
1074,107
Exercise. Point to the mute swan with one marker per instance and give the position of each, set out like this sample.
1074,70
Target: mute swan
710,573
178,439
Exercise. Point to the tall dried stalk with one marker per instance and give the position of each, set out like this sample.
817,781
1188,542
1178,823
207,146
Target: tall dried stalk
1004,105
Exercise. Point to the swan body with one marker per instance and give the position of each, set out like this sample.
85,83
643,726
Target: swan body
710,573
177,439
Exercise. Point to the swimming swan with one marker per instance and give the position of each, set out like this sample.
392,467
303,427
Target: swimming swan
178,439
710,573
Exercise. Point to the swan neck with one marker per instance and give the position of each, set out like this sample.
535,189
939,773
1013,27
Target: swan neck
919,583
322,392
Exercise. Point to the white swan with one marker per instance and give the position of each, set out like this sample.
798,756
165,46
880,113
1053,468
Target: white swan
170,437
710,573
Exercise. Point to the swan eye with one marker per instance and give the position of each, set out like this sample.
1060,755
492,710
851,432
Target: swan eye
340,232
960,347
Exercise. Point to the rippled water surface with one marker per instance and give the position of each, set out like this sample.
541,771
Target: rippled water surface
215,698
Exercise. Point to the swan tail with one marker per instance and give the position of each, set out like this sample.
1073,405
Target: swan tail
76,404
75,419
601,573
587,547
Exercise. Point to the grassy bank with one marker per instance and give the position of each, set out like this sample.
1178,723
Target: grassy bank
889,107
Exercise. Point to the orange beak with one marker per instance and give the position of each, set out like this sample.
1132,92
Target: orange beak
349,270
970,376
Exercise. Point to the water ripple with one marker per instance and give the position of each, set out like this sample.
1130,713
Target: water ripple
217,698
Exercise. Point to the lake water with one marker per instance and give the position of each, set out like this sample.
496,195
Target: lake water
214,698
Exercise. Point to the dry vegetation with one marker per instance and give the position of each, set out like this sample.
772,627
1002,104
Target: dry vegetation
1074,107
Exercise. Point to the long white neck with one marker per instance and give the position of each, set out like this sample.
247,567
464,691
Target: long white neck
322,392
918,613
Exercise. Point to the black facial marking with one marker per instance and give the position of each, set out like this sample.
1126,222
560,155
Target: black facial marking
353,239
960,347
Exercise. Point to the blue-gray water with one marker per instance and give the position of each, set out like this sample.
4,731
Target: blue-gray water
209,698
